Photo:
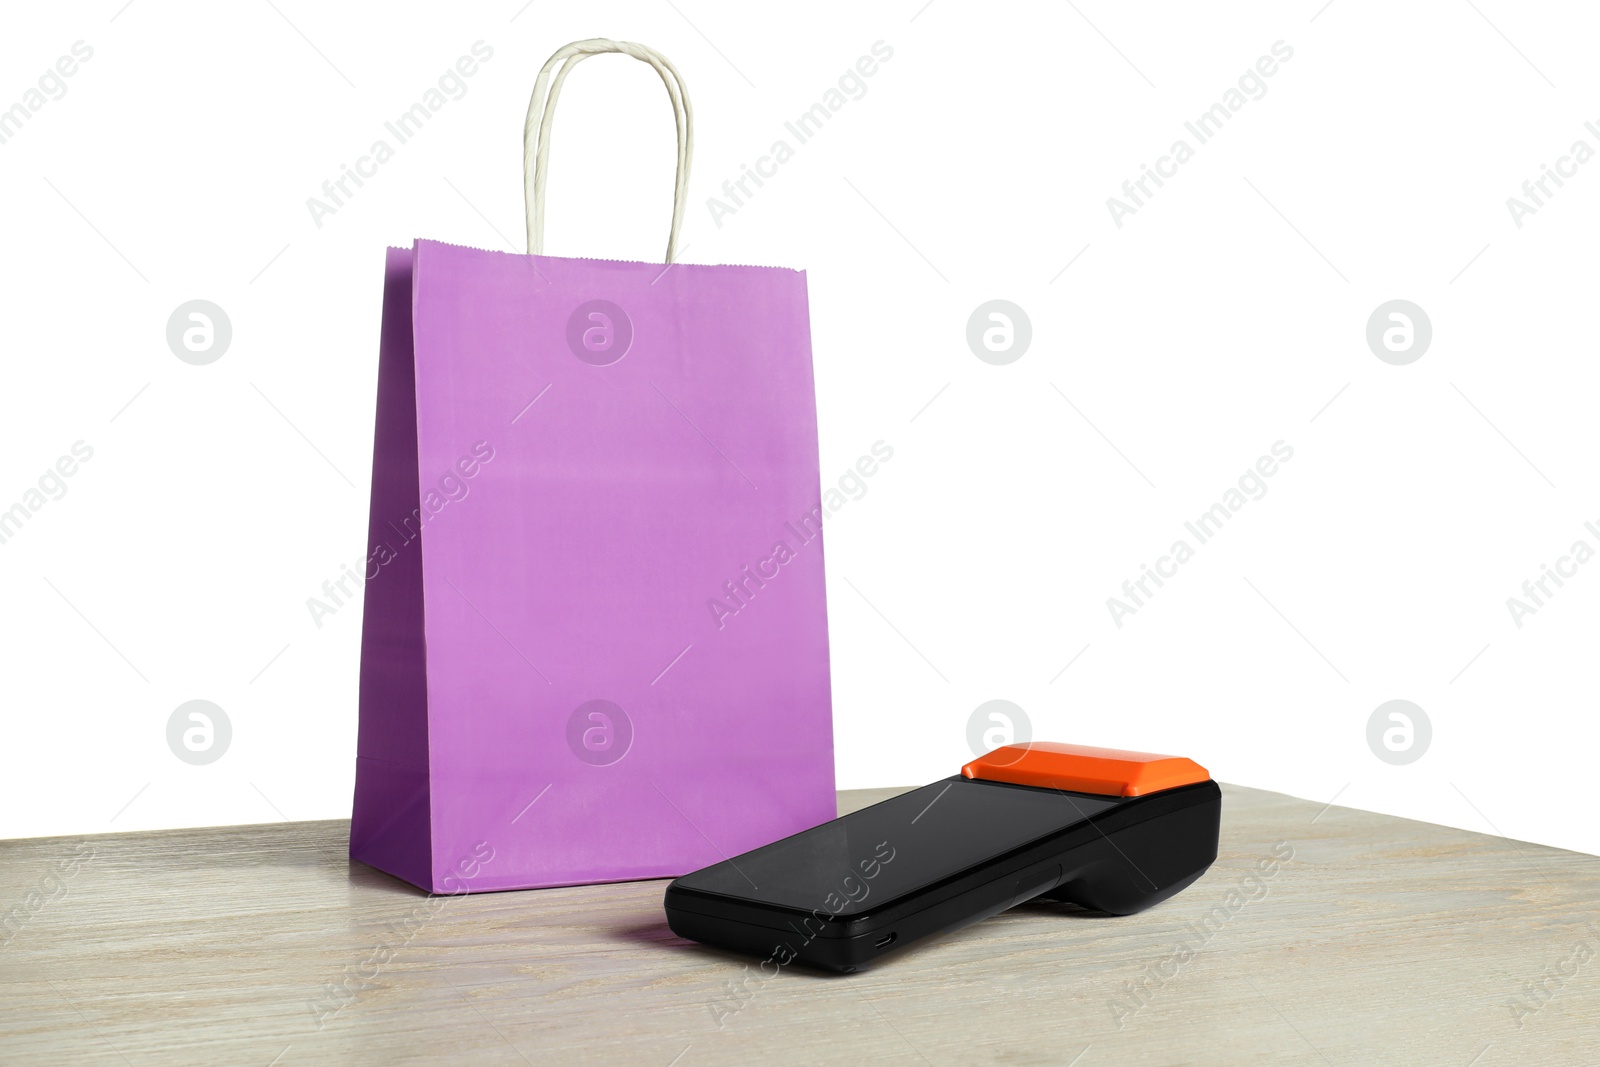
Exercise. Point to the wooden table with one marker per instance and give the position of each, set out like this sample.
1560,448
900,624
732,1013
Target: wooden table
1370,940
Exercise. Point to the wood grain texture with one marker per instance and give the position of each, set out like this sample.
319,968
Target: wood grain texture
1374,941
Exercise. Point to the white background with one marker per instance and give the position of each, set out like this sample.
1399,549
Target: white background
1227,314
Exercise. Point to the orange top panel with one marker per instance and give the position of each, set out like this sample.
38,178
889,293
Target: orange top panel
1083,769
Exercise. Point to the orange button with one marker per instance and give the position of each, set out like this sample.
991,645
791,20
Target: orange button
1083,769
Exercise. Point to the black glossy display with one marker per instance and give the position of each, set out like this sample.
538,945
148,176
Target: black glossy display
873,856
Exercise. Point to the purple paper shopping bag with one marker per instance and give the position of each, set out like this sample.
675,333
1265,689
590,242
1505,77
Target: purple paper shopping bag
595,643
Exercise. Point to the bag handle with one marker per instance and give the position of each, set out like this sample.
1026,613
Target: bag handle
536,130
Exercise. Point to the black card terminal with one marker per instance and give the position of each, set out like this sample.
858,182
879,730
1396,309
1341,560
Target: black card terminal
1109,830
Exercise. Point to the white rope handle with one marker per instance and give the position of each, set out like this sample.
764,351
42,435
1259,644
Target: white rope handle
541,111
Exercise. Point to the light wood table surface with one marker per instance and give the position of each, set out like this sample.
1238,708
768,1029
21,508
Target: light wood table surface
1376,941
